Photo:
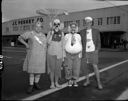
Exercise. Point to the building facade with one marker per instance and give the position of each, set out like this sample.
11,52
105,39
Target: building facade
111,21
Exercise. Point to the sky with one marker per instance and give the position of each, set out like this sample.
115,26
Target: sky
14,9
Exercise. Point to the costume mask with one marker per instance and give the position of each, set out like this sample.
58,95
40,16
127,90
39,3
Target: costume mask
57,34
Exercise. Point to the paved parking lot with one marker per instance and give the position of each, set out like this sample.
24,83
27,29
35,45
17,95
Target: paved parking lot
15,81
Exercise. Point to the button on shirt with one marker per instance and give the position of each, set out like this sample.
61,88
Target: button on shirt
89,42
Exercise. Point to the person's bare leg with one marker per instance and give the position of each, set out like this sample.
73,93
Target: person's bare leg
58,72
56,82
87,75
96,70
87,80
52,71
52,80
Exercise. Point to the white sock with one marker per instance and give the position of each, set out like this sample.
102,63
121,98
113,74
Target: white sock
31,79
37,78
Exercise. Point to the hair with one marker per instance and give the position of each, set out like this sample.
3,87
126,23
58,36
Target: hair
73,23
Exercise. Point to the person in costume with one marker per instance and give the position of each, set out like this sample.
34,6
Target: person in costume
91,45
73,49
55,54
35,60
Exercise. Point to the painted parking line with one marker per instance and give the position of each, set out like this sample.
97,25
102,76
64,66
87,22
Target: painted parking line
49,91
123,96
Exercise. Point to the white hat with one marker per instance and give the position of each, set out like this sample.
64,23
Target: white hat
88,18
56,21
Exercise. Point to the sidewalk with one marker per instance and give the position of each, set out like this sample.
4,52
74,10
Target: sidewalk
124,95
16,89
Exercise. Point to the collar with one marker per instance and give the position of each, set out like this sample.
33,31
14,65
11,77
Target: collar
89,29
73,34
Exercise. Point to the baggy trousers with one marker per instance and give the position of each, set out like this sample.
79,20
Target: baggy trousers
72,70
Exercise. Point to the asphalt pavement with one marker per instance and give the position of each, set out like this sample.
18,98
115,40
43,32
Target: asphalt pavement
15,81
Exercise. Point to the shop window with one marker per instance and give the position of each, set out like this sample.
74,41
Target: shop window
67,23
118,19
26,27
78,22
15,28
100,20
7,29
113,20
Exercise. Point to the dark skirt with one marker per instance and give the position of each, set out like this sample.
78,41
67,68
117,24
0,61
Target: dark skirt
92,57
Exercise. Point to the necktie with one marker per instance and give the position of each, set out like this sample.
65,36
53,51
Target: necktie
88,40
73,40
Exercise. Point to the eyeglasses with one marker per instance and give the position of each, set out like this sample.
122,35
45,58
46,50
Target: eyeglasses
56,24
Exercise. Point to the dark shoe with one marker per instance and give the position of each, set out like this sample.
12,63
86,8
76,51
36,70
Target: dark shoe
86,84
30,89
36,85
100,87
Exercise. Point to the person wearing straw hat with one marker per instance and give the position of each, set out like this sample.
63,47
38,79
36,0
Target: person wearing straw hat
73,49
34,63
55,52
91,45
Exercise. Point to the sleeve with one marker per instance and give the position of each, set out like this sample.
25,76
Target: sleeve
79,37
63,46
66,37
83,41
49,37
25,35
98,40
80,55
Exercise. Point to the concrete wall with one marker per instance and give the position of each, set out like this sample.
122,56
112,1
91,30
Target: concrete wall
102,13
19,26
121,11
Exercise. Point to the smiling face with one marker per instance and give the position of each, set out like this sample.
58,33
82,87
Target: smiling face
88,24
73,28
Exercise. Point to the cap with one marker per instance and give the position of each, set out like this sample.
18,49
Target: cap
73,23
88,18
